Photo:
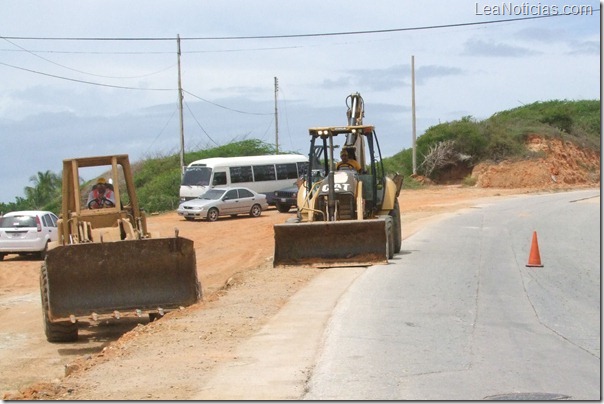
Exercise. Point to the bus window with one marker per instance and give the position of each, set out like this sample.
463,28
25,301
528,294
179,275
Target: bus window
241,174
264,172
197,175
302,169
219,178
287,171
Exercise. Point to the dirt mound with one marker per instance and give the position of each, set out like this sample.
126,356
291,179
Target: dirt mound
562,164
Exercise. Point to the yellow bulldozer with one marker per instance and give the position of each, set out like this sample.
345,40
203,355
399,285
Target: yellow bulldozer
106,262
347,213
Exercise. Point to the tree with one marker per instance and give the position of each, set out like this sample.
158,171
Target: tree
47,186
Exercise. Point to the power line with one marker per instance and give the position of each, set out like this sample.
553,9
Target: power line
227,108
199,124
310,35
84,81
83,72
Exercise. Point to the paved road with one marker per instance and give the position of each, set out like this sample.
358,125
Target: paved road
457,315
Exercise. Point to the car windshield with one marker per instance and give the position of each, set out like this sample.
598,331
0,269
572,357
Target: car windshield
197,175
213,194
17,221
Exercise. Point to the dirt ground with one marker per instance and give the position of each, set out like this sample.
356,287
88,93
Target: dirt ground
167,359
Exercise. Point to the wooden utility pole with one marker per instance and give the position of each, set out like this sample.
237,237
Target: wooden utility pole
413,112
180,98
276,118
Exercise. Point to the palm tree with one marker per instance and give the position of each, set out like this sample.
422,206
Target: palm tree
47,185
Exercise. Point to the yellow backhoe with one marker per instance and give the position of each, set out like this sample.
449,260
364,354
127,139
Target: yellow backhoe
347,213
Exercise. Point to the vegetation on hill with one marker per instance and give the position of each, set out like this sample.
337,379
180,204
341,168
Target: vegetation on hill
464,142
468,141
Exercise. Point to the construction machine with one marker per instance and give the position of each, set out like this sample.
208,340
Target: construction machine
347,214
106,262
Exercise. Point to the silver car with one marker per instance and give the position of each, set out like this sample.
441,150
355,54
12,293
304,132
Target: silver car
223,202
27,232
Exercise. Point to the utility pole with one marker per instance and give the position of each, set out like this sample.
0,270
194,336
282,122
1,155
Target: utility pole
276,118
180,98
413,112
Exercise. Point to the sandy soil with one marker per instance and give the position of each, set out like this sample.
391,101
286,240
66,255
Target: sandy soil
167,359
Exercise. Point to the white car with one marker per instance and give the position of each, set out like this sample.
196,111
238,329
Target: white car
217,202
27,232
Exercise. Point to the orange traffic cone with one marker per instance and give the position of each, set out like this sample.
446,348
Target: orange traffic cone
534,257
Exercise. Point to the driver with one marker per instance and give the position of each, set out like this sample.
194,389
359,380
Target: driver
347,163
101,196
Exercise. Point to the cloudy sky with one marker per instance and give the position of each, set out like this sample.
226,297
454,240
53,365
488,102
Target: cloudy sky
83,78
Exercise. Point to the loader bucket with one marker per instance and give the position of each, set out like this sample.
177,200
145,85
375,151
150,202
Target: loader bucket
125,276
331,244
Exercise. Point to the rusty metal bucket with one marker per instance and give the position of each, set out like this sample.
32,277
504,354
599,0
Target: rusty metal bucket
331,244
127,275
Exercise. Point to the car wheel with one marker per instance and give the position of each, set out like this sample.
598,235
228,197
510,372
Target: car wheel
42,254
283,208
2,256
212,215
256,211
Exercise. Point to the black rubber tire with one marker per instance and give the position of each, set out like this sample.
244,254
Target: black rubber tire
213,215
283,208
256,211
390,233
397,228
64,331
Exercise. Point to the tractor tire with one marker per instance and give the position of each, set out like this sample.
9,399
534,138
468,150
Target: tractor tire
390,232
396,222
64,331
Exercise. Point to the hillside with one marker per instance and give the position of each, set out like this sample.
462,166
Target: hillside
562,164
546,144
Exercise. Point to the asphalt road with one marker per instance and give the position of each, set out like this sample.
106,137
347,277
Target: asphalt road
459,315
456,315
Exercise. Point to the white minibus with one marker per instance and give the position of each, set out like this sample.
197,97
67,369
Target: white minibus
263,174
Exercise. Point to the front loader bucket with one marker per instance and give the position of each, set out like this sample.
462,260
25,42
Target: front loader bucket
125,275
331,244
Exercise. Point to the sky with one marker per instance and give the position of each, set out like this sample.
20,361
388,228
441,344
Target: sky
86,78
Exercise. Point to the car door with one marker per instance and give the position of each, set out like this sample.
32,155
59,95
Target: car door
50,226
246,200
230,203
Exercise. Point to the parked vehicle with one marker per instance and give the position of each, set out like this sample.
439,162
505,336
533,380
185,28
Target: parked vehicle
262,174
285,198
27,232
217,202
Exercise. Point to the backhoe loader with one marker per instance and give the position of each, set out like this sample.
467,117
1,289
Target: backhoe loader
347,214
106,262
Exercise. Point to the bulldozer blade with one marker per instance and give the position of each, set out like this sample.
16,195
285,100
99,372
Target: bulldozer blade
331,244
127,275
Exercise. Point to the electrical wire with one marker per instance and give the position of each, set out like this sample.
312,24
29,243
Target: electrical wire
223,107
87,73
281,36
199,124
84,81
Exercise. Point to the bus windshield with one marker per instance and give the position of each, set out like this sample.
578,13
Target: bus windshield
197,175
